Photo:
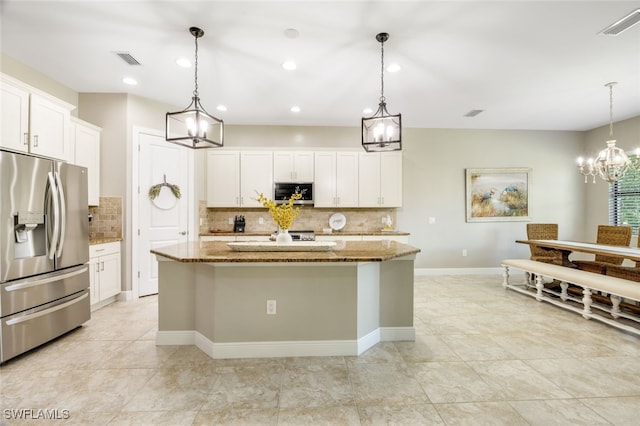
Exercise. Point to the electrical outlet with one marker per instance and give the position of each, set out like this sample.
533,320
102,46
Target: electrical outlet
201,221
464,252
230,221
260,221
271,307
432,220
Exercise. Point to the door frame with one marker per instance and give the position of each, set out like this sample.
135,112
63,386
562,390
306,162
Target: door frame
136,192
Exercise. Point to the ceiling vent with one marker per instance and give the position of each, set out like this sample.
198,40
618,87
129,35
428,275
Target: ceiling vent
473,112
126,56
623,24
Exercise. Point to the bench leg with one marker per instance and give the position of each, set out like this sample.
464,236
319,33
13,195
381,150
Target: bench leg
505,276
563,293
615,302
539,287
586,301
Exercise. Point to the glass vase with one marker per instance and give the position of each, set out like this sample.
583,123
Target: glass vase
283,237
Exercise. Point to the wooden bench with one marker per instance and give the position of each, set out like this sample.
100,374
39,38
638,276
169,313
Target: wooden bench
616,289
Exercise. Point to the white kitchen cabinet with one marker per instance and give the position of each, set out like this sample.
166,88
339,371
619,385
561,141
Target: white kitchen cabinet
34,122
223,178
293,166
256,176
14,115
380,179
335,179
104,267
86,142
233,177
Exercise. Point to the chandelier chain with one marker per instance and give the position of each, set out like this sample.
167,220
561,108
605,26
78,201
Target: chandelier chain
195,90
382,99
610,111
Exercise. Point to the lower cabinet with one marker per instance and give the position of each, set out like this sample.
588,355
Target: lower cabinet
104,267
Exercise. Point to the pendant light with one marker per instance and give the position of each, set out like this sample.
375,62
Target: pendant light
194,127
382,131
612,162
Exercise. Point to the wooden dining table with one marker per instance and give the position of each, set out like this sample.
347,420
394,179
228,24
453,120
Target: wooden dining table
568,247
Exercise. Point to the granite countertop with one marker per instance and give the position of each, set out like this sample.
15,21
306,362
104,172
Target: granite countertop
95,241
344,251
266,234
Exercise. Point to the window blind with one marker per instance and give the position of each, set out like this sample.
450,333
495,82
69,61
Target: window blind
624,200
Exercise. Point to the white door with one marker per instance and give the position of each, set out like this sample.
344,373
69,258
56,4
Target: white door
164,220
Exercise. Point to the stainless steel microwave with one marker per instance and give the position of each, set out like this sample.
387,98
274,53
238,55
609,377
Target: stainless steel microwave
282,191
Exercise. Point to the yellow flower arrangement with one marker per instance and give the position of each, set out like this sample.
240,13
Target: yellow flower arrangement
284,214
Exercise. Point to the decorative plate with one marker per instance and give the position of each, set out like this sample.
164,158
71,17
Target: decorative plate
337,221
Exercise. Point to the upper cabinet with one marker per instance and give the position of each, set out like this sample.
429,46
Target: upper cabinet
34,122
256,176
293,166
86,141
335,179
234,178
380,179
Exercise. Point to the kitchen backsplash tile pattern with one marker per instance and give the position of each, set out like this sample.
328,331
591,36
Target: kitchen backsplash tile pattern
106,219
316,219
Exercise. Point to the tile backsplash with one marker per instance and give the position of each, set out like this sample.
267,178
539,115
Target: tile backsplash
358,220
106,219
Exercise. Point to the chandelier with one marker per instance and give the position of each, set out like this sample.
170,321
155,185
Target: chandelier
194,127
612,162
382,131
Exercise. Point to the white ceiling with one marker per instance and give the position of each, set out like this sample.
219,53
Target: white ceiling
529,65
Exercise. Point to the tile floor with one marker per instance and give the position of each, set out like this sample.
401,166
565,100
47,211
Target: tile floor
482,356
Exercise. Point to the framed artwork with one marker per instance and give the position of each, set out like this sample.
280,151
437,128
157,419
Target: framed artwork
496,195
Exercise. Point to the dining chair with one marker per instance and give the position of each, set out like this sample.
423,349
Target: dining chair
543,231
610,235
626,272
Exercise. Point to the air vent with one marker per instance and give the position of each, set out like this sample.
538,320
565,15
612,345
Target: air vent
126,56
473,112
623,24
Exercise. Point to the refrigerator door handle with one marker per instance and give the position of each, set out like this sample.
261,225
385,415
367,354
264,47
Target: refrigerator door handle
62,216
32,283
46,311
54,216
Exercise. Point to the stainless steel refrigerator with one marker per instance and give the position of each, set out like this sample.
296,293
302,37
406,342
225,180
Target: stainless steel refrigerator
44,251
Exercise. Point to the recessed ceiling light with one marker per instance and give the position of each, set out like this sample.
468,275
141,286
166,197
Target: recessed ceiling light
221,108
289,65
295,108
291,33
367,111
130,81
183,62
393,68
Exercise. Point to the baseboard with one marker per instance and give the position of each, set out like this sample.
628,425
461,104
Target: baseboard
284,348
178,338
368,340
277,349
126,296
457,271
397,334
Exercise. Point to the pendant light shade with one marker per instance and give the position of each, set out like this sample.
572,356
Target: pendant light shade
194,127
382,131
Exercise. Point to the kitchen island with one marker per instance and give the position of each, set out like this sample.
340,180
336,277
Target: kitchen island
321,303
